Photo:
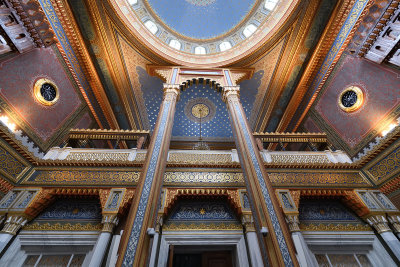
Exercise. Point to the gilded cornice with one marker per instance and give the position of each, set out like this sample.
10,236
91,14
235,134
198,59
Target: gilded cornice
349,23
74,36
107,40
334,25
63,227
334,227
298,34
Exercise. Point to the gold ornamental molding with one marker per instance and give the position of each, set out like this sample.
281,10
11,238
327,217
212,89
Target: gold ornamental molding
202,227
335,227
276,137
290,60
103,134
337,20
75,38
63,227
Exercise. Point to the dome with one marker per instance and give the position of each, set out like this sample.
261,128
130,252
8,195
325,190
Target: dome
174,29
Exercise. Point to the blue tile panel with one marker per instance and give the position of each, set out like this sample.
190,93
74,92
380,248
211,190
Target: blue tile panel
267,198
130,253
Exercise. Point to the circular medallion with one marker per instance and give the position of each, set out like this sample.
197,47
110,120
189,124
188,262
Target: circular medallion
351,99
200,2
46,92
200,111
200,107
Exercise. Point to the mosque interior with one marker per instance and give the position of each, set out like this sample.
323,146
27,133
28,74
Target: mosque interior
201,133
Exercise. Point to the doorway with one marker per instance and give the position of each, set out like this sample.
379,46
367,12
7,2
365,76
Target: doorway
201,256
195,243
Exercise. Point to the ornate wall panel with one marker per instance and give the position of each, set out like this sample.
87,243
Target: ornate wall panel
318,178
11,165
201,215
69,215
328,215
83,177
385,168
203,178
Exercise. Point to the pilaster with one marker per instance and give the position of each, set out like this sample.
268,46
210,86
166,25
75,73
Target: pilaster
265,206
143,212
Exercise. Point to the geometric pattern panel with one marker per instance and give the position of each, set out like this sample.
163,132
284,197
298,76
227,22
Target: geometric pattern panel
216,126
386,167
10,165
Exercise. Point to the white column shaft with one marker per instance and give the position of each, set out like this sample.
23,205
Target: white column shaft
154,251
305,257
254,250
4,240
100,249
392,241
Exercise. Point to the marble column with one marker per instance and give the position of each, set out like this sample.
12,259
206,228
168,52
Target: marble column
10,229
304,255
379,222
99,250
266,211
156,238
143,212
252,241
394,221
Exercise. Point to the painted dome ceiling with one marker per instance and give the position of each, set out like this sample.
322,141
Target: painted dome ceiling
233,29
201,19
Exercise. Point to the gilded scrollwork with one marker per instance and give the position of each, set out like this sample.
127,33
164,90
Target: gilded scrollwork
63,227
192,158
92,156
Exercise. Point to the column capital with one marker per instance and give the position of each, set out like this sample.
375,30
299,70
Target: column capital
171,90
230,91
395,222
293,222
248,222
109,221
379,222
14,223
159,222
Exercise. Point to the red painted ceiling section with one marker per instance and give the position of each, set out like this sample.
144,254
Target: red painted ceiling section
381,87
17,77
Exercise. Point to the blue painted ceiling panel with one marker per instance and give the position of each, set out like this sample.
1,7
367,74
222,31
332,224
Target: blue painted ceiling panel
201,19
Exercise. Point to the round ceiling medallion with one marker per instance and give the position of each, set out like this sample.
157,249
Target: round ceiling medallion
46,92
351,99
200,107
200,111
200,2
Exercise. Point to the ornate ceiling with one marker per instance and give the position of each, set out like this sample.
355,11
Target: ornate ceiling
201,19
